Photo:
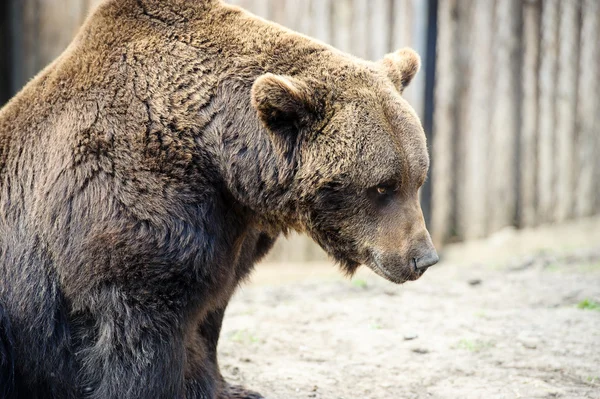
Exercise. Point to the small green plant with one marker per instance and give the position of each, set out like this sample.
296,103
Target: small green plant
481,315
473,345
375,326
553,267
593,379
588,304
359,283
589,267
243,336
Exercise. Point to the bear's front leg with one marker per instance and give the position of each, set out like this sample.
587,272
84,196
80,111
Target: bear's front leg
137,352
210,330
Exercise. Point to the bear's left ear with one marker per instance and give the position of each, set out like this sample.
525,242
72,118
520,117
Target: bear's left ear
401,67
285,105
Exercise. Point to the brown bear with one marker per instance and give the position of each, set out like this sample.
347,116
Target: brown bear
146,171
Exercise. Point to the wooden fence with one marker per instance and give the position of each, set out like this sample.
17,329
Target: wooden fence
514,121
517,120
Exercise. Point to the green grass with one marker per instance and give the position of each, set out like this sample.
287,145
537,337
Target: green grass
585,267
359,283
588,304
375,326
589,267
474,345
243,336
592,379
482,315
553,267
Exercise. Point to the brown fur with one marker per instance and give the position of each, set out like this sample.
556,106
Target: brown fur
147,169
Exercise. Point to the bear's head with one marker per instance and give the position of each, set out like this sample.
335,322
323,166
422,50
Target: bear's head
359,156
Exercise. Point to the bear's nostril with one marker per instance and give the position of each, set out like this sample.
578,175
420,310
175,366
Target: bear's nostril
426,261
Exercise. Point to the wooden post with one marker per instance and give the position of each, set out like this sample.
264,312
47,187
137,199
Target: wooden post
547,101
473,210
304,17
566,111
502,161
429,68
403,20
529,126
415,94
293,14
342,25
360,28
380,32
588,115
321,20
443,201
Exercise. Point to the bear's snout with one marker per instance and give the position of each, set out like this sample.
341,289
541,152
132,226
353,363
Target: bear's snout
406,261
397,267
426,261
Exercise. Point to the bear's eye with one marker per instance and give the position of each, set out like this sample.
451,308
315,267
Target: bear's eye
384,190
381,190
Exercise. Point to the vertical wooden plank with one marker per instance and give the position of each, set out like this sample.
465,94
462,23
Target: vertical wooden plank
321,20
502,161
410,29
475,146
597,141
430,32
380,34
304,17
464,67
588,112
566,111
415,94
529,127
342,23
403,21
360,28
546,141
293,14
446,96
403,29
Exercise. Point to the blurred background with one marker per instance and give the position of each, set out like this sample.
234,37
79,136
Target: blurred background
509,95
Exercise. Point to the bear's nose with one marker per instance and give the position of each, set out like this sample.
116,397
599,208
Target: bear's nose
426,261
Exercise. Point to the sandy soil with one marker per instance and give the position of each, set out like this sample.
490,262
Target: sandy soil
470,329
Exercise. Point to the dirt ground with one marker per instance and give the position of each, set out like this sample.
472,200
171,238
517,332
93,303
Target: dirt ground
515,316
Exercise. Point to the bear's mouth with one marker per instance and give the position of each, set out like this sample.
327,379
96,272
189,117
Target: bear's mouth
406,273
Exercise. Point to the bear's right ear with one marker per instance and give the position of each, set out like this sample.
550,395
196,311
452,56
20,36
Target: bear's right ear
285,105
401,67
